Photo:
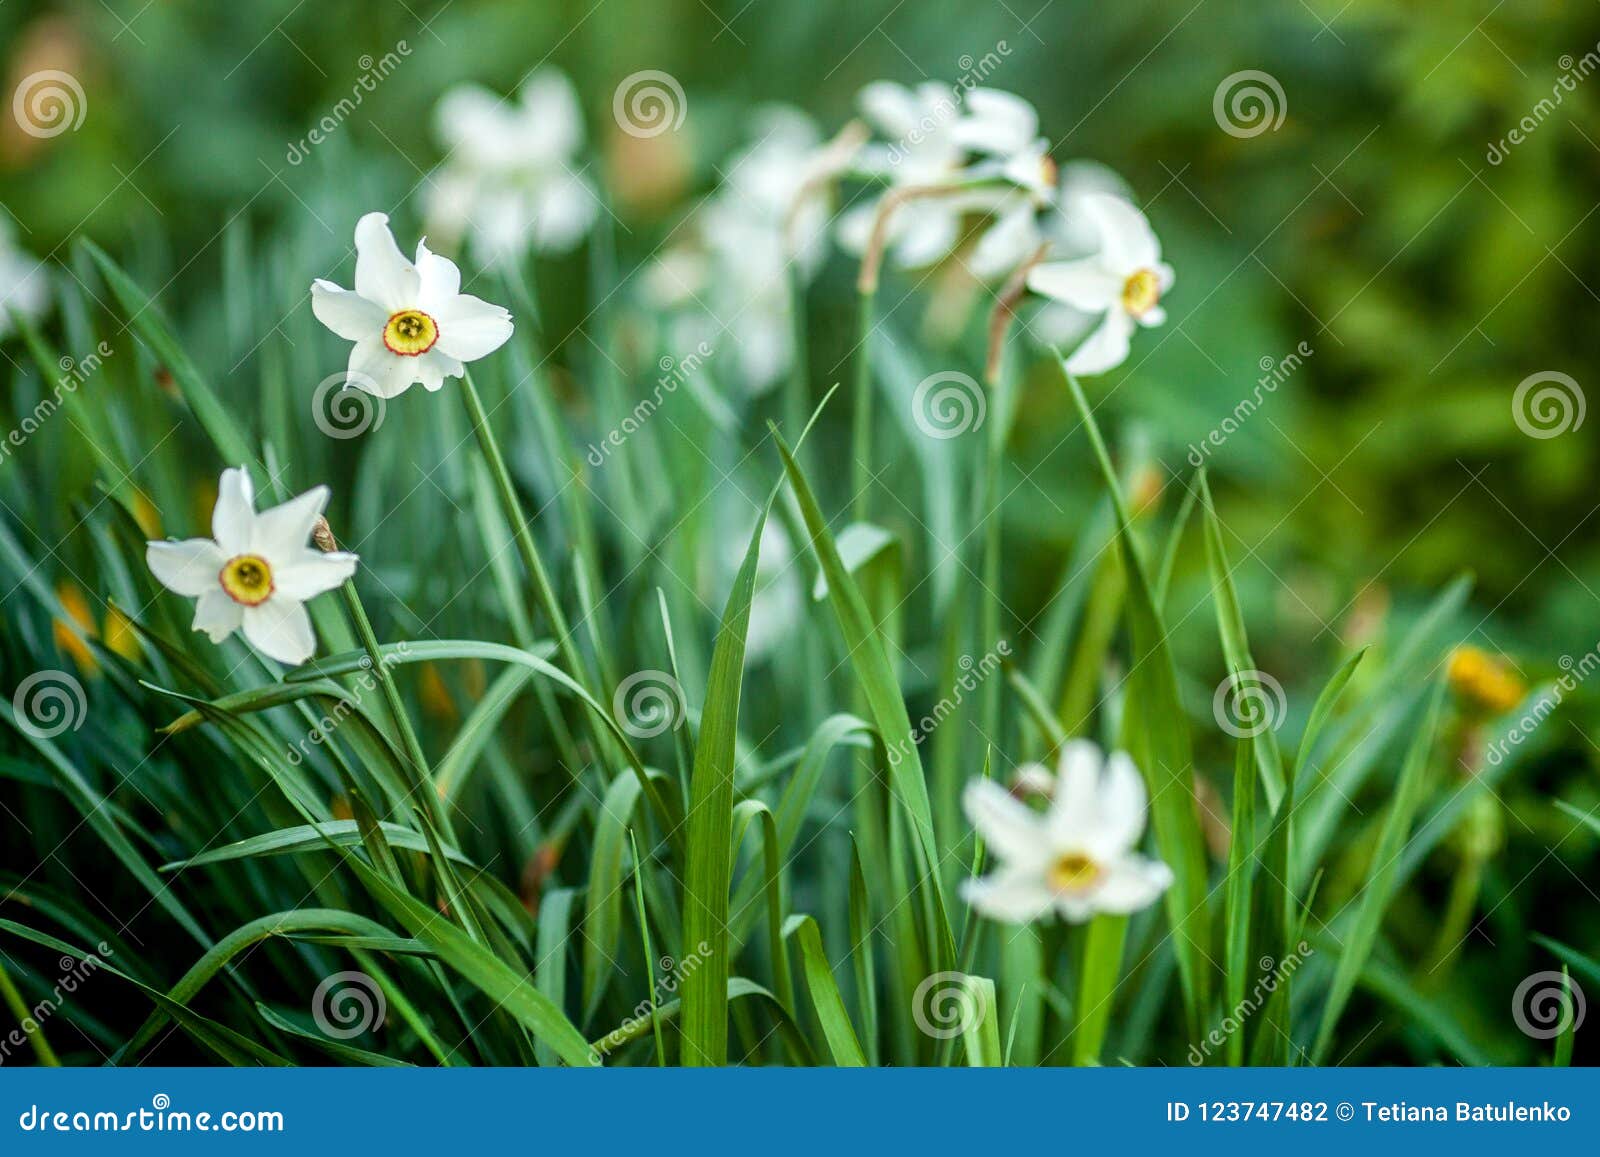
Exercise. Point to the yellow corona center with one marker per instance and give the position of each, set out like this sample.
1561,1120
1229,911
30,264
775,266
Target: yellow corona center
410,333
1073,872
1141,292
247,578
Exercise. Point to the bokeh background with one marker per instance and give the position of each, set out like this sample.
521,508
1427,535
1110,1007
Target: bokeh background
1374,225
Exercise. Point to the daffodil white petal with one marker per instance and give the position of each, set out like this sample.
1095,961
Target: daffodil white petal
440,279
280,628
551,116
891,107
347,314
1014,832
1153,316
375,370
234,514
470,328
1085,284
996,122
186,568
1012,895
216,614
1122,803
1127,243
924,233
1131,883
1007,243
1075,809
306,573
281,531
383,275
1104,349
561,210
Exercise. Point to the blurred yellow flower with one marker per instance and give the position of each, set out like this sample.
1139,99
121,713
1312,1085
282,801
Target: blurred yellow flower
1483,682
70,635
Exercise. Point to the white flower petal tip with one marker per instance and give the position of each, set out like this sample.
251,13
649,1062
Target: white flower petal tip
409,321
1078,858
257,571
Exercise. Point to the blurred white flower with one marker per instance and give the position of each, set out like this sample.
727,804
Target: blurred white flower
256,570
24,287
1122,281
770,213
1078,858
936,136
410,322
509,182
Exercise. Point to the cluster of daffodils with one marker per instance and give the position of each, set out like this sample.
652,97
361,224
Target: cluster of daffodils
951,174
511,182
1077,857
23,286
410,323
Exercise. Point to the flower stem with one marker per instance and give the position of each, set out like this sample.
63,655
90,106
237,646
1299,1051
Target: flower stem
861,437
423,778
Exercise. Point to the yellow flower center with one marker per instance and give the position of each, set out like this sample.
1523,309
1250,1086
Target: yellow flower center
1073,872
410,333
247,578
1141,292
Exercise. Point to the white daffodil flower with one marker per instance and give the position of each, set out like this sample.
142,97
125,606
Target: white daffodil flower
410,321
256,571
510,180
23,284
1123,281
1078,857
